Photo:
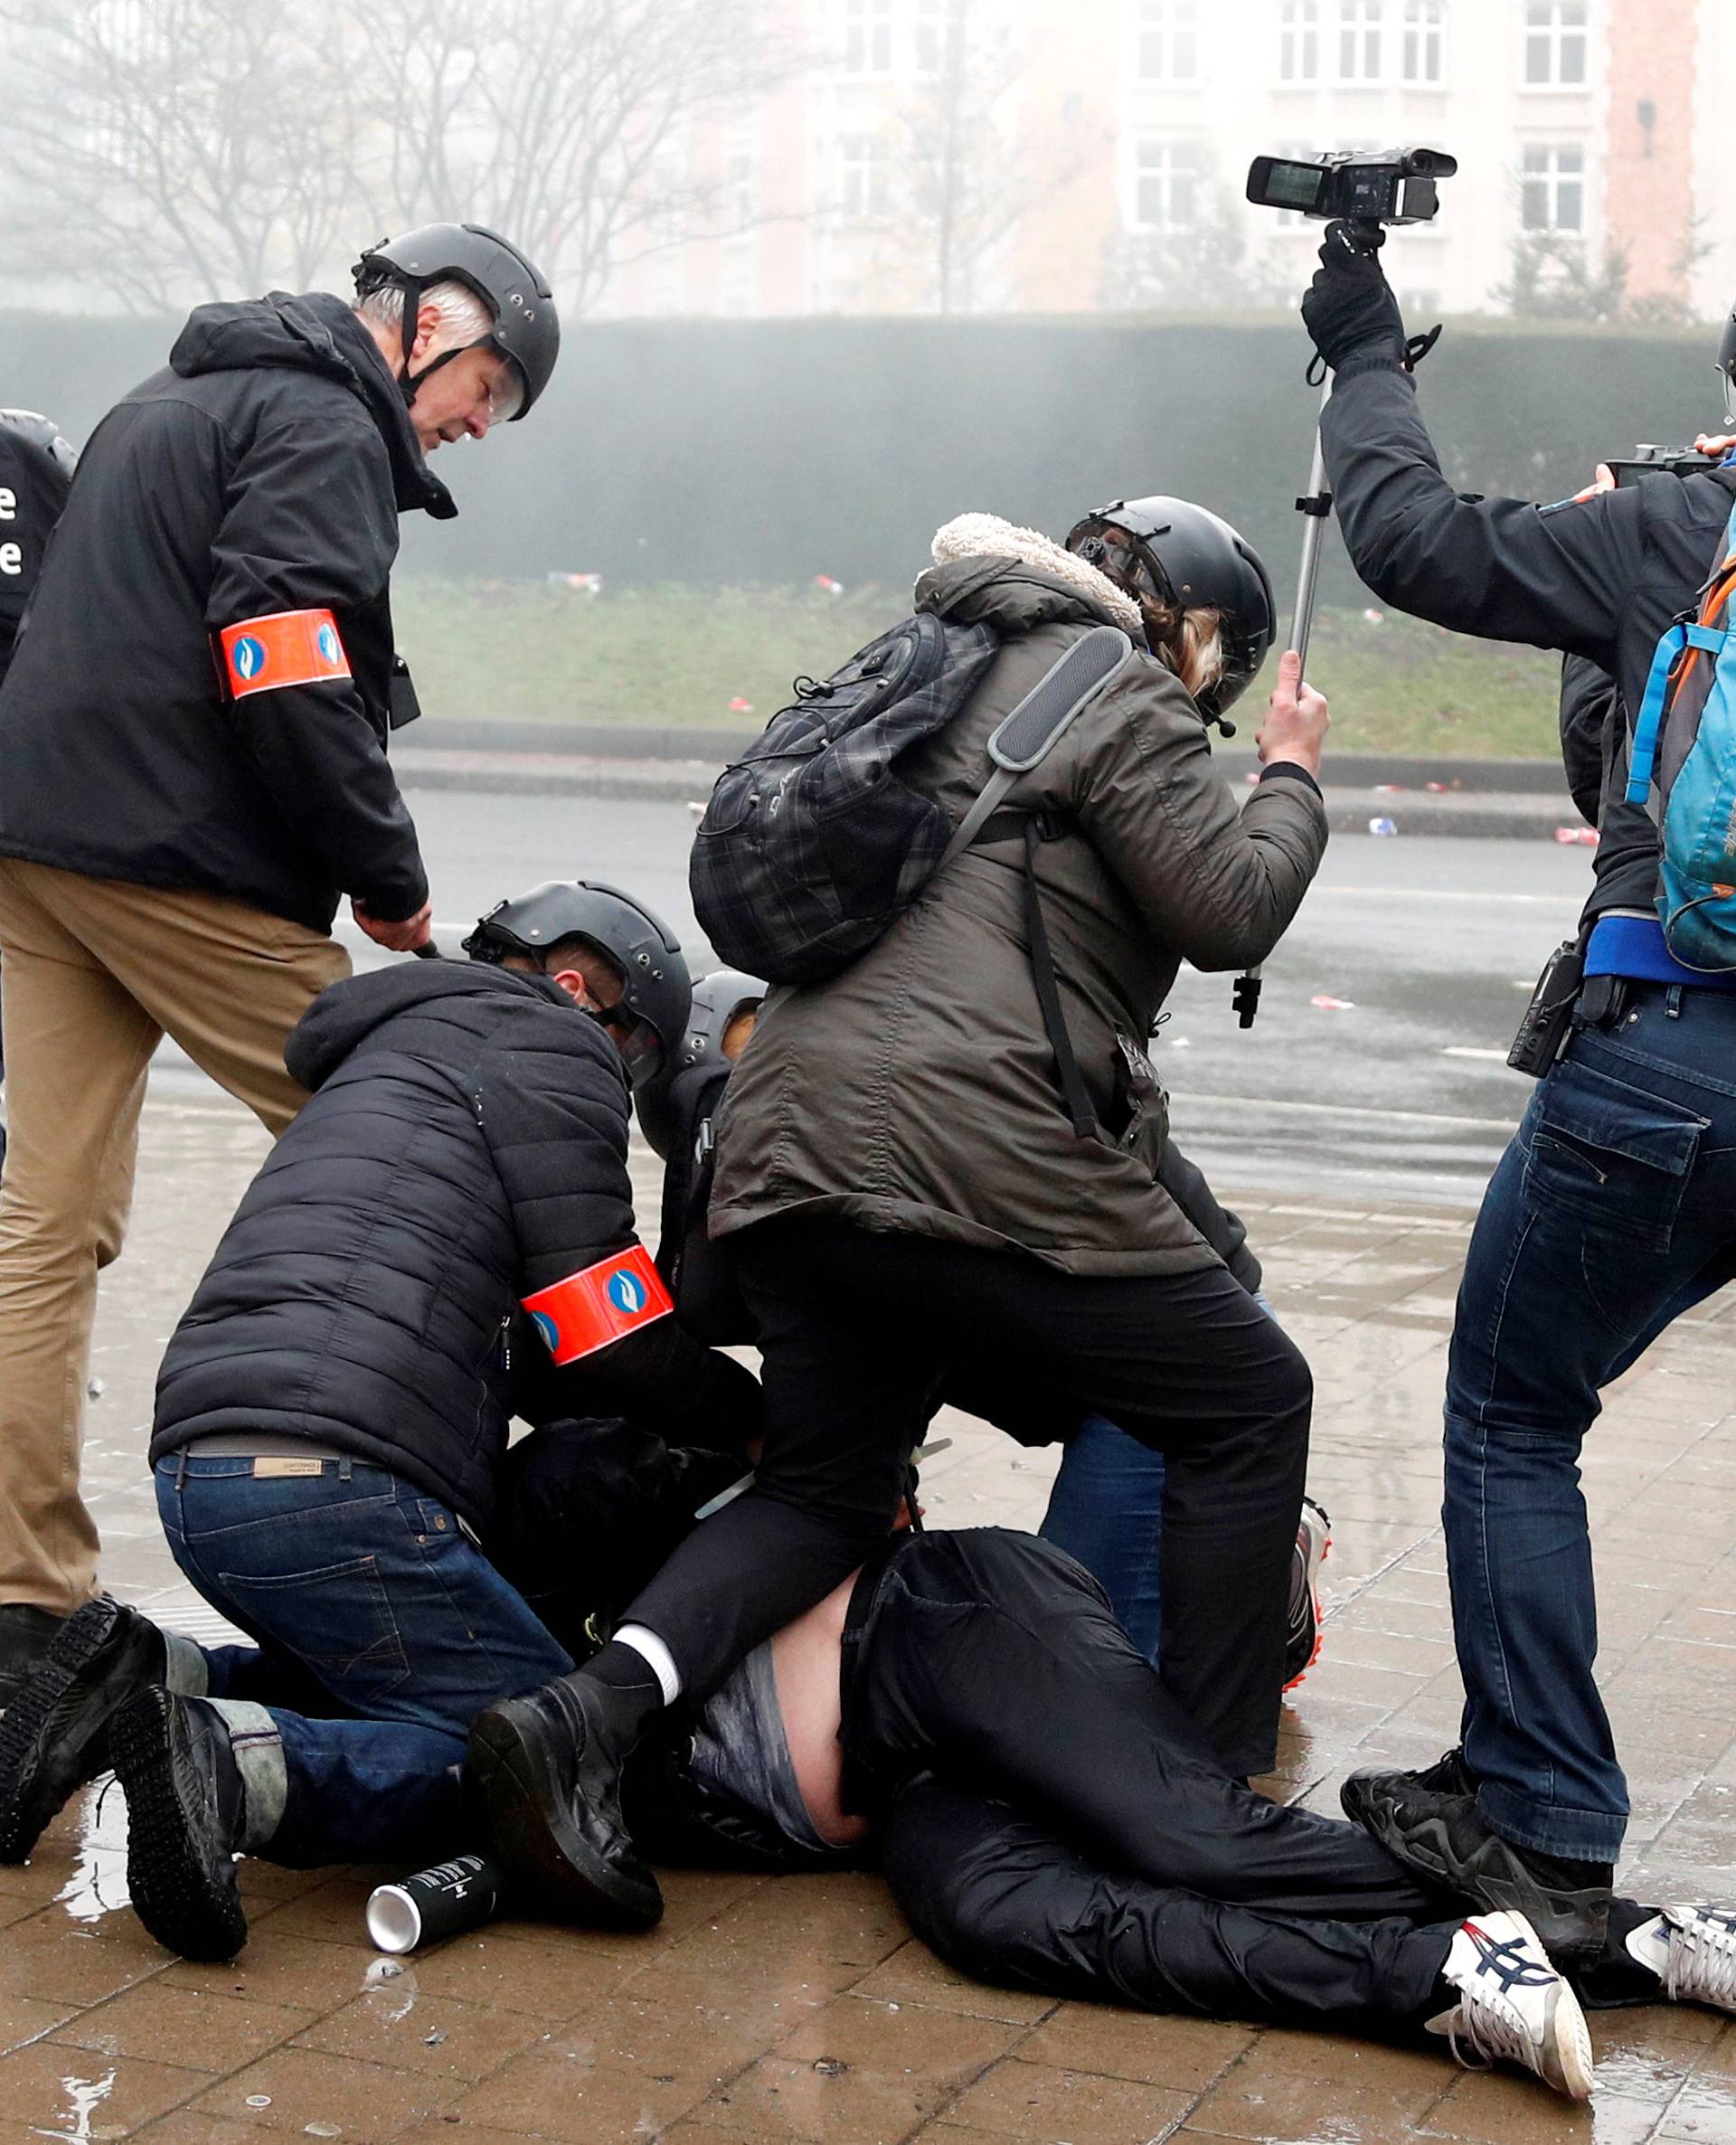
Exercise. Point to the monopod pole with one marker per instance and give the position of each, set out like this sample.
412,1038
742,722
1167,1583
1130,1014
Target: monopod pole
1316,505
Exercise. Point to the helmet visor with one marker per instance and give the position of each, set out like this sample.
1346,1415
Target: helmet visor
637,1041
506,396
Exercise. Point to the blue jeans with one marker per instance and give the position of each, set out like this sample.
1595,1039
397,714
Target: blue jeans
1612,1212
1107,1510
381,1633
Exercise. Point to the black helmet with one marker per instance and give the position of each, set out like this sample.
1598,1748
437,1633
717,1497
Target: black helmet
1195,560
717,999
526,330
41,432
1727,364
656,990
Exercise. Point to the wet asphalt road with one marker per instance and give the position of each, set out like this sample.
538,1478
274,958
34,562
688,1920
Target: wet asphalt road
1406,1095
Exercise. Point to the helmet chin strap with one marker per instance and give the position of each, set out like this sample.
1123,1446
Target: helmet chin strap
409,382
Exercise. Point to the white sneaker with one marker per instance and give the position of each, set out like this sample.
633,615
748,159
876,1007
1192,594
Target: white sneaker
1302,1635
1692,1950
1513,2007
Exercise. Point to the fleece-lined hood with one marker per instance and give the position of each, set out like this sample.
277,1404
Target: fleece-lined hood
314,333
981,540
345,1015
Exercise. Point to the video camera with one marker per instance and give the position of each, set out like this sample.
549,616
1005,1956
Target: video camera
1647,461
1393,187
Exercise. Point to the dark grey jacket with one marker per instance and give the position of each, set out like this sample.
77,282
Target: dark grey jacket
916,1091
1601,578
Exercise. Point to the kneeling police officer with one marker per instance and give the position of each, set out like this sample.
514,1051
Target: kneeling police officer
443,1238
1614,1209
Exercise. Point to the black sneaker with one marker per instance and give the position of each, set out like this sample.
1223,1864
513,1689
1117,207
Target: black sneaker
1430,1822
186,1819
1313,1545
55,1734
25,1636
547,1771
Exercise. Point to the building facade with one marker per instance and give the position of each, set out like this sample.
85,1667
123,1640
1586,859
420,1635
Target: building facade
989,156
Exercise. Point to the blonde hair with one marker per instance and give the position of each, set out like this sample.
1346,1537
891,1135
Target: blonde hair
1195,654
1188,642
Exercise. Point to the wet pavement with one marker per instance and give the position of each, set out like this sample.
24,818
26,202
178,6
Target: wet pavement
801,2008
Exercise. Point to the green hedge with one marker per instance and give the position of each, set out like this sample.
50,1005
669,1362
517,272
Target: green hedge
719,453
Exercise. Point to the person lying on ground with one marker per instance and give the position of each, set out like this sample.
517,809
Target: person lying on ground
1093,1848
1091,1845
332,1412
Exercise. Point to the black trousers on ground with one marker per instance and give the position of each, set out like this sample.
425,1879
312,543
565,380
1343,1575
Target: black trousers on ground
1053,1821
860,1334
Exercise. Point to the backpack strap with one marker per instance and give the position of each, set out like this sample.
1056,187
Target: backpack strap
1670,670
1022,741
1024,738
1043,974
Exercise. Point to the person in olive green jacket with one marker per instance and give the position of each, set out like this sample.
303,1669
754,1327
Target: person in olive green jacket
902,1184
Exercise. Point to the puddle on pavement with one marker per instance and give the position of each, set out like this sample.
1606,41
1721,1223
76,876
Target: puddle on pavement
390,1990
97,1885
84,2096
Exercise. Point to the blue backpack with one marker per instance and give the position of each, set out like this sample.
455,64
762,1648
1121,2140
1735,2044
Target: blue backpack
1685,743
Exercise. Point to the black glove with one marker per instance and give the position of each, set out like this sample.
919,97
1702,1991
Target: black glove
1349,306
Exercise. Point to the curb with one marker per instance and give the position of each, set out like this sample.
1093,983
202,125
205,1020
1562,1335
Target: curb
1472,814
439,736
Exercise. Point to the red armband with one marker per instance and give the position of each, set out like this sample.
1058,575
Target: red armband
290,647
598,1305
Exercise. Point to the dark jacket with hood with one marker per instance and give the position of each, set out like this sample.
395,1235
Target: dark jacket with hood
1600,577
465,1146
262,471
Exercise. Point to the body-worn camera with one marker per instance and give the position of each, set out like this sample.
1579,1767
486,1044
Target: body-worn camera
1649,460
1391,186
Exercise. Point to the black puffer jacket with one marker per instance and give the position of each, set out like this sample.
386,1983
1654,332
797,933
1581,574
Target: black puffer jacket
465,1146
263,471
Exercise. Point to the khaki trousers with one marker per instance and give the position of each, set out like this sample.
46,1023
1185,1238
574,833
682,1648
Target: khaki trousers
93,974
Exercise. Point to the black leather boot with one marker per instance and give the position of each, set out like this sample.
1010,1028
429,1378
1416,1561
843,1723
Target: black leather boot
25,1636
546,1769
186,1811
55,1734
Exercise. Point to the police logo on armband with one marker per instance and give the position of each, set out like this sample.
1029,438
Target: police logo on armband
290,647
600,1304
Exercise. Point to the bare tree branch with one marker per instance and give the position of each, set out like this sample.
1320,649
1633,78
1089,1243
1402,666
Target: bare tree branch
192,145
565,124
973,175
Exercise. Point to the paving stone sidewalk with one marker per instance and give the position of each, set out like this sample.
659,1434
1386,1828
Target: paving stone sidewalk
801,2008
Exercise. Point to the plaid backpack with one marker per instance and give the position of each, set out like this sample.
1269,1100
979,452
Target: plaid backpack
1686,741
813,844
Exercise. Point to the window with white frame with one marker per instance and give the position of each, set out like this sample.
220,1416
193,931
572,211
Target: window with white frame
864,179
1556,41
1551,187
937,23
1359,26
741,187
867,36
1298,40
1166,184
1169,41
1425,24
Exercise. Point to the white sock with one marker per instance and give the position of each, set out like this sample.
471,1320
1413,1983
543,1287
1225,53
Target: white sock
652,1649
